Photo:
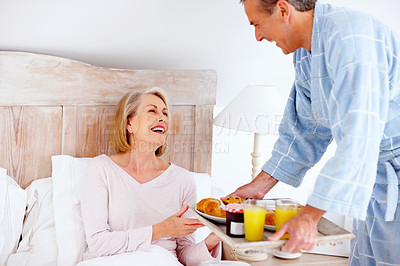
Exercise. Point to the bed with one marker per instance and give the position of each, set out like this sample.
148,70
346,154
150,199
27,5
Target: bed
56,113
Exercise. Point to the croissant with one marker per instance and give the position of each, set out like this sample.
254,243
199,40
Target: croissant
211,206
270,217
232,199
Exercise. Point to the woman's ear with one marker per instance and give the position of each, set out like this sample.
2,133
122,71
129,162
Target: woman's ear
129,125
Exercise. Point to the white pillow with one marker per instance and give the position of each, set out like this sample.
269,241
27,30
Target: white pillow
38,245
12,206
67,173
205,188
203,185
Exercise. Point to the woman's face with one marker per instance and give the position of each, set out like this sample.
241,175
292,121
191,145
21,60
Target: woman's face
150,124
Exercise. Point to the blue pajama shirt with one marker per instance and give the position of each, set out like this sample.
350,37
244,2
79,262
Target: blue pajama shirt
347,89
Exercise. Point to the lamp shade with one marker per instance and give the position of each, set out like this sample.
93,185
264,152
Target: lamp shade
256,109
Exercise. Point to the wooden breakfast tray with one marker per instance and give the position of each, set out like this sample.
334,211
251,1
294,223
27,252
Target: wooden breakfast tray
329,233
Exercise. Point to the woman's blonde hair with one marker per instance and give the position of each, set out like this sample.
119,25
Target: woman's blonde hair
126,108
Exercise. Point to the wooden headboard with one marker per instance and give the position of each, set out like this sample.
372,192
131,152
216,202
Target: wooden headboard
51,105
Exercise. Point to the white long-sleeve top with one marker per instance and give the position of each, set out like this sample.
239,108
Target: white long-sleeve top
118,212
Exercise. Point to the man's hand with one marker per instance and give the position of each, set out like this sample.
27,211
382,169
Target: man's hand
257,188
175,226
302,229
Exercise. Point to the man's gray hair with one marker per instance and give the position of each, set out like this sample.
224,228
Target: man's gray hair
300,5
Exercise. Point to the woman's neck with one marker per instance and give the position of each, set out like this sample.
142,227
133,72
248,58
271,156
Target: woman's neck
140,161
142,166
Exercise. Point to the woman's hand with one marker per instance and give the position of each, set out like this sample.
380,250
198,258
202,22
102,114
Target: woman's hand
302,229
257,188
211,241
175,226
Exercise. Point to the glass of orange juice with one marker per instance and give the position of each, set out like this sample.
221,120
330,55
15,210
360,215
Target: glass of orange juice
254,219
285,209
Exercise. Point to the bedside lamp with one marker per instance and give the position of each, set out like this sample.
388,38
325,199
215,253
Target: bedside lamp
257,109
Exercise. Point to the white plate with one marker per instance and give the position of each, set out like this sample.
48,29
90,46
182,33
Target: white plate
223,220
212,218
286,255
270,227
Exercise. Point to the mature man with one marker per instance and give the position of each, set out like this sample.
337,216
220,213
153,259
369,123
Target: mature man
347,89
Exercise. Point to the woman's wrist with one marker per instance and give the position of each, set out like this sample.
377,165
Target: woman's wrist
211,241
157,232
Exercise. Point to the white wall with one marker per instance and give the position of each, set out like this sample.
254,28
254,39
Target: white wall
151,34
173,34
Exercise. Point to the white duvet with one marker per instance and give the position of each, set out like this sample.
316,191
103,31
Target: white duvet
155,255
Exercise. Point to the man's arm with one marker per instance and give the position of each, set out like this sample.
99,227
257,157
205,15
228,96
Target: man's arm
257,188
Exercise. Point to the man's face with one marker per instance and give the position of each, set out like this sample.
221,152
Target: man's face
273,28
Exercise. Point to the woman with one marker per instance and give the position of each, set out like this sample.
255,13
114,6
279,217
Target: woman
133,199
